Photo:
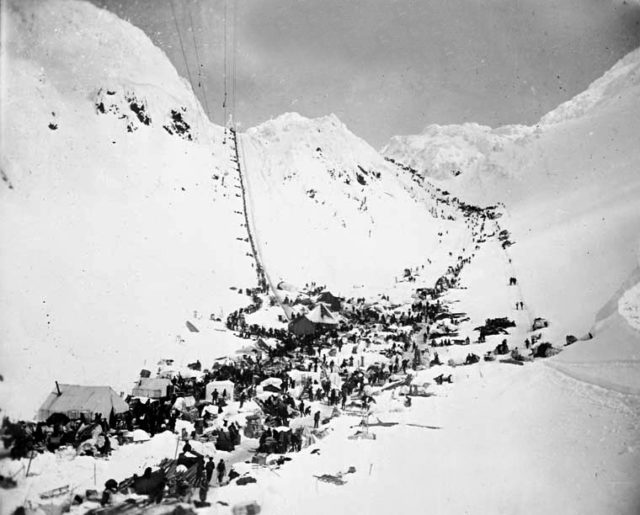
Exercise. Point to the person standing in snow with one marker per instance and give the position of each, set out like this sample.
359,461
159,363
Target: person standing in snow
221,471
316,420
209,468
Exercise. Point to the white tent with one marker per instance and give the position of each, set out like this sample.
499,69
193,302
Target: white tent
151,387
336,380
139,435
322,315
273,381
182,403
73,400
303,375
292,311
220,386
285,286
270,381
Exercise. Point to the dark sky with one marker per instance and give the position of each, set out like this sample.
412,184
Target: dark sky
392,67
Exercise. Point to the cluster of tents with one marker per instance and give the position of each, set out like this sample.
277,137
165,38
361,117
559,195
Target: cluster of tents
323,316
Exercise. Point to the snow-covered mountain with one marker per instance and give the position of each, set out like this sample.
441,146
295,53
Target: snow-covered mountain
447,151
473,155
329,208
117,207
571,186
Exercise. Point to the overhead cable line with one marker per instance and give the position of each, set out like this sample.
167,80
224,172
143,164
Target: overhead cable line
225,61
200,83
184,55
234,61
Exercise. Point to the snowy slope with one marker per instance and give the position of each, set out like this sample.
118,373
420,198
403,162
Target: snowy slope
117,209
328,208
571,186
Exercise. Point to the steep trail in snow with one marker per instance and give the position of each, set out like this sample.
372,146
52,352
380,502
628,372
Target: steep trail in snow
264,279
254,252
511,269
432,192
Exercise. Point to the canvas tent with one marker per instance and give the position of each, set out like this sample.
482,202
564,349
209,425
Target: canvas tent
73,400
271,384
330,300
302,326
221,386
291,311
153,388
322,315
285,286
184,403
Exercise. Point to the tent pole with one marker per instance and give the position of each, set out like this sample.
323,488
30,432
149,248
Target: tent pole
31,453
175,456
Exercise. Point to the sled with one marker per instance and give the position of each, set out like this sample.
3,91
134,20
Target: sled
512,361
55,492
382,424
423,426
245,508
328,478
361,435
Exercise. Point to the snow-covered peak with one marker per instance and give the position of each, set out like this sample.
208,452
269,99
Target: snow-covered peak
94,45
447,152
293,120
622,77
323,199
112,64
326,139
